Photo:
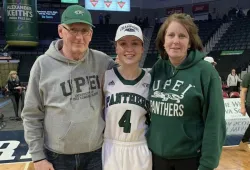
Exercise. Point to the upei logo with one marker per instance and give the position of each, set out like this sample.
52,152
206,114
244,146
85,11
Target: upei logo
108,3
79,12
94,2
121,4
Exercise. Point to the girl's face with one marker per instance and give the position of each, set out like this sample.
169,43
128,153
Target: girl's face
129,50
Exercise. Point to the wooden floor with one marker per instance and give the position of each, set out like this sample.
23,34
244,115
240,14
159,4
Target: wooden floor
231,159
234,159
17,166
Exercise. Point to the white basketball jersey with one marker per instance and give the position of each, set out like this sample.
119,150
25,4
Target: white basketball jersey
126,106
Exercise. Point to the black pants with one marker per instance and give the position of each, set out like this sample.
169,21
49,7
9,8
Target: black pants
160,163
246,136
232,89
22,96
15,97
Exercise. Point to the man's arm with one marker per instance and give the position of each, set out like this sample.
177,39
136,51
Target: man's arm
33,116
111,63
243,94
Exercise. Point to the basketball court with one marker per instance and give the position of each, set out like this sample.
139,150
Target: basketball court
14,151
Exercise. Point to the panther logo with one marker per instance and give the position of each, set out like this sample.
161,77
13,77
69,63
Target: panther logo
167,96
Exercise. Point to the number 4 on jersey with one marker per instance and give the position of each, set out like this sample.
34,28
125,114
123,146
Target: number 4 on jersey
125,121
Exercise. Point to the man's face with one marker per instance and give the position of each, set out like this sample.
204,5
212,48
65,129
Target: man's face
76,37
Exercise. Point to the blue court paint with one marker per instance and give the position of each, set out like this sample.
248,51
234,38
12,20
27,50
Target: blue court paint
2,104
13,147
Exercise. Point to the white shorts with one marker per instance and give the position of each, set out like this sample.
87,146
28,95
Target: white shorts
126,155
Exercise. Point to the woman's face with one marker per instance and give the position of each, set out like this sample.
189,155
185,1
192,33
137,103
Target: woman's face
14,75
233,71
176,40
129,50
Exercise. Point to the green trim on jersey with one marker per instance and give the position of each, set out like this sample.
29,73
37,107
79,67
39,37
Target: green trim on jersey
129,82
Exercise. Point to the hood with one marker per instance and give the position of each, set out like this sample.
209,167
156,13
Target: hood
194,56
54,52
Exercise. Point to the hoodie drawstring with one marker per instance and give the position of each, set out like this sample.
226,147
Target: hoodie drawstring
73,88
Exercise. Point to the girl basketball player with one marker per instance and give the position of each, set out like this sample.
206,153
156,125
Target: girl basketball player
126,105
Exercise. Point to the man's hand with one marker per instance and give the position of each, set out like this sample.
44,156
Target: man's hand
43,165
243,111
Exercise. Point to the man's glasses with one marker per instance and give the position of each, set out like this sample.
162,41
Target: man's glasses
75,32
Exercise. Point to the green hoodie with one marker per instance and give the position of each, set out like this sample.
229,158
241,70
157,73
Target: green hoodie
187,111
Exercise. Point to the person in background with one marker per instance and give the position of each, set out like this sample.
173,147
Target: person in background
211,61
187,128
15,89
245,108
232,80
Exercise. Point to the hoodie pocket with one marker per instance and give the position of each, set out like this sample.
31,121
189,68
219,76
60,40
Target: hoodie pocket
188,130
77,138
81,137
172,138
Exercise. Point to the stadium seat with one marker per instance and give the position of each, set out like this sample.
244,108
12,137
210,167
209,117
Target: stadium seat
234,95
225,95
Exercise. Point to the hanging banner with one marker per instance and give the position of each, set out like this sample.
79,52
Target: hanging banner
170,11
20,21
201,8
236,123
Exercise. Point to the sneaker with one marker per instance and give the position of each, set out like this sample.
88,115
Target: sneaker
244,146
16,118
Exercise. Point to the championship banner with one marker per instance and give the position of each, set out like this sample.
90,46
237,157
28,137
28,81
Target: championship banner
170,11
20,21
202,8
236,123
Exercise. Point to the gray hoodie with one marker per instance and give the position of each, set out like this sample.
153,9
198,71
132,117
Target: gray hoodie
63,103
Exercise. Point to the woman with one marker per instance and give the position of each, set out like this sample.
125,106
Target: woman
126,105
15,91
232,80
187,128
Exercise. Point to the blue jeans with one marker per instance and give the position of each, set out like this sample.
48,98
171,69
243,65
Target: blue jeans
83,161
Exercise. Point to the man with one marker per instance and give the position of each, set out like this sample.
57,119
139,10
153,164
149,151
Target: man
210,60
62,117
245,108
